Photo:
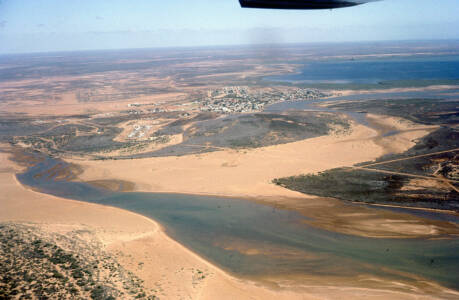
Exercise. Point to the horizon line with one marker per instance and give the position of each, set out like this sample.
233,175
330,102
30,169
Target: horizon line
225,45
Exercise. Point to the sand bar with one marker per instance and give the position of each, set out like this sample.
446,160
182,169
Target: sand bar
165,265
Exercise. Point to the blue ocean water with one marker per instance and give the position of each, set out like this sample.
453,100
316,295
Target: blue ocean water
375,70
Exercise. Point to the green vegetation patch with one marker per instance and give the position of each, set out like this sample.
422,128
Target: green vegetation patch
264,129
371,187
39,265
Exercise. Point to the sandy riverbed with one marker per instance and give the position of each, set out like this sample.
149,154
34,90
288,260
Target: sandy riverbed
244,173
141,246
249,174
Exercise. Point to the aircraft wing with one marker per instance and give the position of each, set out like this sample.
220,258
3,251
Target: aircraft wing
301,4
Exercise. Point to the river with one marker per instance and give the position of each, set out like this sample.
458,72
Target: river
255,240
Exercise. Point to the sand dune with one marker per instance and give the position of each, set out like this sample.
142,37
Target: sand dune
238,172
248,173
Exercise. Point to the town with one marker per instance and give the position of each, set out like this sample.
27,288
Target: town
230,100
242,99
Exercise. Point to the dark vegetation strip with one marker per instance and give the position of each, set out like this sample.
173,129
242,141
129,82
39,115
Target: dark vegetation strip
433,155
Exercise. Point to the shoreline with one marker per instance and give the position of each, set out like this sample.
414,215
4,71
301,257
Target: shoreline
158,229
368,224
283,203
259,198
240,287
161,229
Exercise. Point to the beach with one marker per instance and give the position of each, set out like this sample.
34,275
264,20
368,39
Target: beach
131,238
140,245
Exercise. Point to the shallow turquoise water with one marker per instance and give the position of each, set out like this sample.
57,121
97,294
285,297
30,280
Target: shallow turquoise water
222,229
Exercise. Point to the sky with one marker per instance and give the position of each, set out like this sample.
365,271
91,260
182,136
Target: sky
68,25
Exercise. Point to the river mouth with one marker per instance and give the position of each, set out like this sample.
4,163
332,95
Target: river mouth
253,240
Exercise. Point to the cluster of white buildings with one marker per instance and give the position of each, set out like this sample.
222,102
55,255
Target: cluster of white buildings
139,131
239,99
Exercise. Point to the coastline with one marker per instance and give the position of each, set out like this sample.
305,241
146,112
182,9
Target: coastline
115,227
145,238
